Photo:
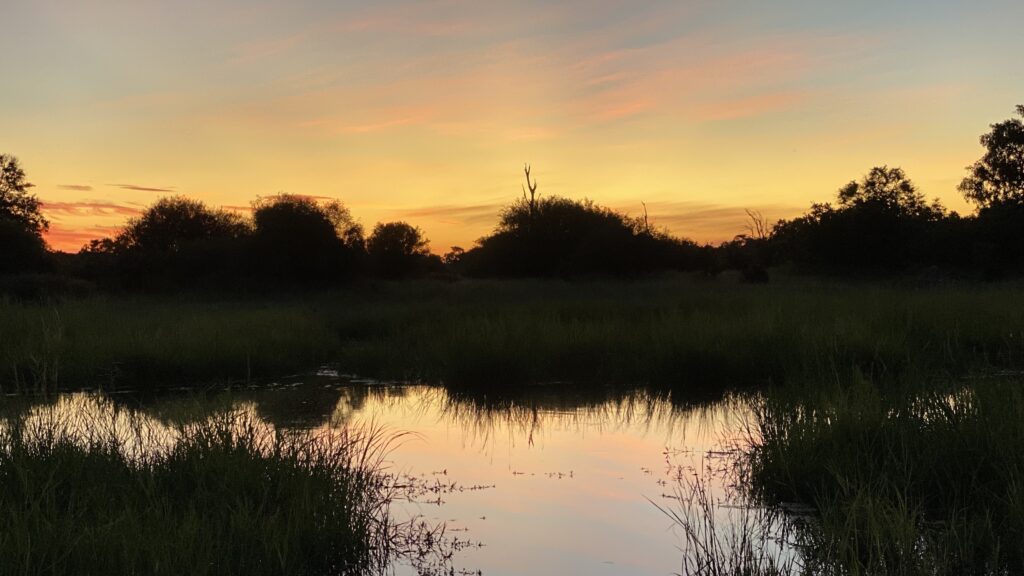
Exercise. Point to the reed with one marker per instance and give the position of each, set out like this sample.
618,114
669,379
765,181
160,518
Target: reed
225,495
923,483
691,336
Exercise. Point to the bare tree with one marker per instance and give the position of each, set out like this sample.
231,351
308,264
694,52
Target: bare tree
531,201
757,225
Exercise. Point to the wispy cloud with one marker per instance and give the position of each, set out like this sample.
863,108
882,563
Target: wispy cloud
264,48
78,187
602,73
760,104
455,214
89,208
73,239
138,188
707,222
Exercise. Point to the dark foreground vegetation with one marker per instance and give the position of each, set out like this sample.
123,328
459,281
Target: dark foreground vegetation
692,335
221,496
923,483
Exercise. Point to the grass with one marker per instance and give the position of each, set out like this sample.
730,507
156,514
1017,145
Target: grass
689,334
728,540
222,496
870,412
926,483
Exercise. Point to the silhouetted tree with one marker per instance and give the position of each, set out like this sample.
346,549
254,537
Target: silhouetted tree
453,257
554,236
176,223
176,241
750,252
881,224
297,241
995,183
397,250
16,203
348,229
998,177
21,221
889,191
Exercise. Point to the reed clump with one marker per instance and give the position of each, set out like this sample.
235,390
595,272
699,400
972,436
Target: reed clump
924,483
222,496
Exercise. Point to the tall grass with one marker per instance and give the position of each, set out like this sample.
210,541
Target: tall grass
721,539
928,483
696,336
222,496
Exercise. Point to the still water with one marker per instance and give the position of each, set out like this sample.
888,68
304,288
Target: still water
547,481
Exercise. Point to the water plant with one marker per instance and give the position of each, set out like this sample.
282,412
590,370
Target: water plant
225,495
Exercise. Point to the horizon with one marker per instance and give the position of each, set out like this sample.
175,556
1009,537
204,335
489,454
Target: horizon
426,111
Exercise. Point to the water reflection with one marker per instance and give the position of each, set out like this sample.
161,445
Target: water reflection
540,480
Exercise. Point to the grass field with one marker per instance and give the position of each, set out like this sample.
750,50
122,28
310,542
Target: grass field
690,334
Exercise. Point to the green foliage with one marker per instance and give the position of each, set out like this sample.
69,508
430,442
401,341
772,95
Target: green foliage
924,482
694,335
225,496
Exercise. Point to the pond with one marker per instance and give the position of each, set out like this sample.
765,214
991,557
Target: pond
544,481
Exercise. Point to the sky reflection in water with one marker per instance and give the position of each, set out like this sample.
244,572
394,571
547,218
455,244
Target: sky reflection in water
545,482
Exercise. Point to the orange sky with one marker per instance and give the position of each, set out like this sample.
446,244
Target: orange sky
426,110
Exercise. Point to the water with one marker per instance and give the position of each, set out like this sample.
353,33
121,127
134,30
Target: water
545,482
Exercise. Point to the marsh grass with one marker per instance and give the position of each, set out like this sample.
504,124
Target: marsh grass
226,495
698,337
728,539
929,483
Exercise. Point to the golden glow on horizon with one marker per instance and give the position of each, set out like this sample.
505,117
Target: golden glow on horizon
425,111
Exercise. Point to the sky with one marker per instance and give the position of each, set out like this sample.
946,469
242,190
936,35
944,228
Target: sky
426,111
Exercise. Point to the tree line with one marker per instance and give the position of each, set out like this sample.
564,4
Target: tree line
877,225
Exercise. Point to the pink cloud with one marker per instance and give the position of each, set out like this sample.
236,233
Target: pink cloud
89,208
73,239
750,106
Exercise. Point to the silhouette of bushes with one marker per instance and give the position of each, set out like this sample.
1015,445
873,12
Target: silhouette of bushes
564,237
296,241
176,241
399,250
555,236
22,224
881,224
878,225
998,177
21,249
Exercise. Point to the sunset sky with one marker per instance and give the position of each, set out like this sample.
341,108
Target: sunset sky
425,111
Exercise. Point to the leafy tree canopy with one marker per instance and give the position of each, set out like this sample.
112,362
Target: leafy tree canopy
890,190
16,203
998,177
174,222
398,239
